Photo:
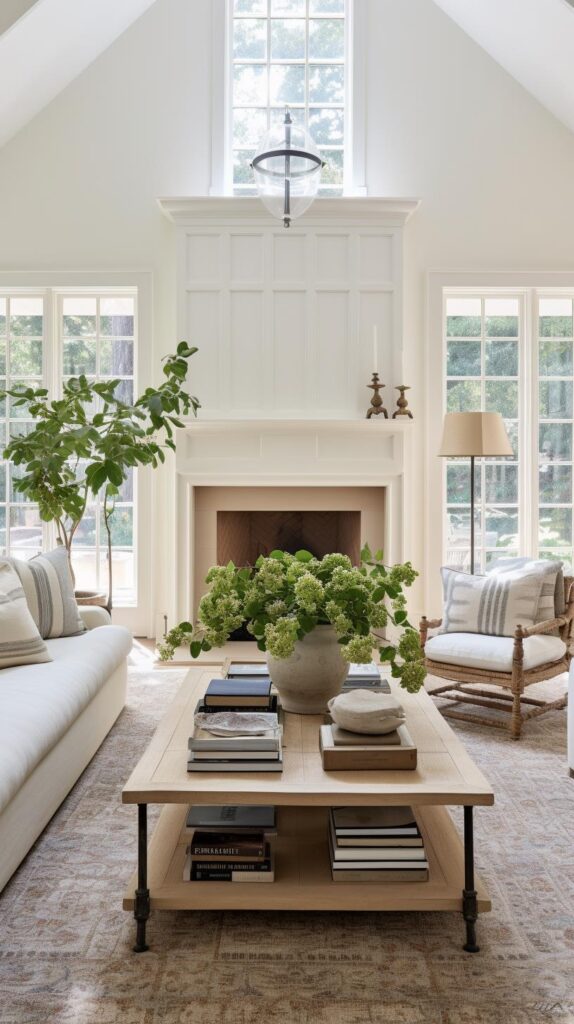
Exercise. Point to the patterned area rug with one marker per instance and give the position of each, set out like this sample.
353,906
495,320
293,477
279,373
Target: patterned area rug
65,943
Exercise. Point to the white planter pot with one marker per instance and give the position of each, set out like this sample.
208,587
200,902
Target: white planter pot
313,674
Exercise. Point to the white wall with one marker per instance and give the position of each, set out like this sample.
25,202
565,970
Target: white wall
493,169
11,10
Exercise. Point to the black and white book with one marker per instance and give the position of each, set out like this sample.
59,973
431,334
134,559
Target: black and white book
229,871
267,765
229,756
375,871
254,669
376,854
252,692
358,671
388,822
232,817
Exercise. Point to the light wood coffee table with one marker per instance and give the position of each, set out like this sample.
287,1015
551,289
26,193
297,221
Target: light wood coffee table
303,792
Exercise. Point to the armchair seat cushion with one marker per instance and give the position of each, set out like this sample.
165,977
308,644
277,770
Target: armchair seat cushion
493,653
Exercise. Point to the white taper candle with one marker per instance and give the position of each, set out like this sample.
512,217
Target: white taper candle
375,349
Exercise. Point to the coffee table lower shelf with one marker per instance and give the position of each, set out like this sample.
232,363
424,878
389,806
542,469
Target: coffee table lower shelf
302,871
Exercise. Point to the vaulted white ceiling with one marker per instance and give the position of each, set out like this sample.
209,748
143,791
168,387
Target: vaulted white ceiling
531,39
44,50
45,44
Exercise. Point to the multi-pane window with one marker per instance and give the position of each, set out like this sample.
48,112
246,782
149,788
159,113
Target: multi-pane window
22,324
44,339
96,334
497,358
288,53
555,372
482,373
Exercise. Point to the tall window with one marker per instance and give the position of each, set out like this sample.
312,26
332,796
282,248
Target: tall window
555,373
288,52
96,334
512,354
21,362
45,339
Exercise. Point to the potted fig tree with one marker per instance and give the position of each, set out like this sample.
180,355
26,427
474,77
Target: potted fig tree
74,453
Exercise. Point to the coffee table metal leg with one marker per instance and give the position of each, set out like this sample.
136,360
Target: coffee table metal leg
141,901
469,900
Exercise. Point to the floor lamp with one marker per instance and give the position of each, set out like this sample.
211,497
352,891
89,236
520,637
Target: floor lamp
476,435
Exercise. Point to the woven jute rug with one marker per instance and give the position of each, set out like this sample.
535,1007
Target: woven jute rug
65,943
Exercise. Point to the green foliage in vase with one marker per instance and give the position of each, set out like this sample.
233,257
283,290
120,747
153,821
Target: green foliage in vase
283,597
86,442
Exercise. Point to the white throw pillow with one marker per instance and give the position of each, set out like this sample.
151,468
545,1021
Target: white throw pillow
49,591
20,641
492,605
551,602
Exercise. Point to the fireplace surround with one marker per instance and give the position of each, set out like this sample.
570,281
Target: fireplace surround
244,487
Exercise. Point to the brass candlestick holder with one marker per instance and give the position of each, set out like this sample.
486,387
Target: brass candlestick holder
376,407
402,402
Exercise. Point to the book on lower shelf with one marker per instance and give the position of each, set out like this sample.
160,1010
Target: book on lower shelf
367,754
238,819
227,857
376,844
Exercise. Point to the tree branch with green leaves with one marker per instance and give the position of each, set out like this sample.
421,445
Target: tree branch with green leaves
86,442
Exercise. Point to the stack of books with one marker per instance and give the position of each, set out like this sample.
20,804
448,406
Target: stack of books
376,844
230,844
342,750
366,677
236,750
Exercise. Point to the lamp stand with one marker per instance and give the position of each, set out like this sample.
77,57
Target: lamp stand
472,515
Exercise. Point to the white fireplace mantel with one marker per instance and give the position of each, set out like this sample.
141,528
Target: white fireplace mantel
282,452
290,454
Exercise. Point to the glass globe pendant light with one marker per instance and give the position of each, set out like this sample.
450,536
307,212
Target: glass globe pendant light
287,170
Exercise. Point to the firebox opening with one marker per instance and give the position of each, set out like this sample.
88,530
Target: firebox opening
244,535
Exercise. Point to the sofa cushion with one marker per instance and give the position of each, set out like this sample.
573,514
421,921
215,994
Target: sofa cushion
20,641
490,605
38,703
49,591
493,653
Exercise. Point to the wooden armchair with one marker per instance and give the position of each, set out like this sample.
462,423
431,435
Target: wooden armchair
508,665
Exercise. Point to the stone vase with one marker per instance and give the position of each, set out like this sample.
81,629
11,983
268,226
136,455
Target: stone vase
313,674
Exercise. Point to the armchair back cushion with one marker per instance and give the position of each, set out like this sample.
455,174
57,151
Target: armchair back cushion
492,605
552,603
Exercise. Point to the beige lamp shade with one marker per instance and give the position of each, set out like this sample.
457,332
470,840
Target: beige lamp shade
474,433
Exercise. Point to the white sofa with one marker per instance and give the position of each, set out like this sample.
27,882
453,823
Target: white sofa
53,718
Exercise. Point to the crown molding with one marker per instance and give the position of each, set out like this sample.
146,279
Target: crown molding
357,210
